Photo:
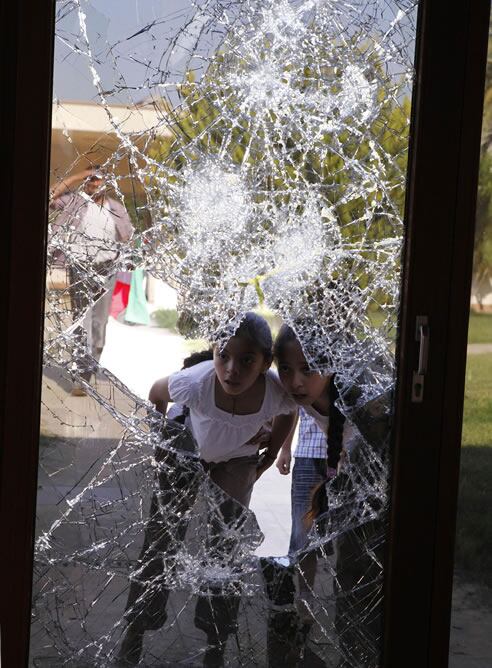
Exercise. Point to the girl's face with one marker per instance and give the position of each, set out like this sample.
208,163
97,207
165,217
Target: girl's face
305,386
238,365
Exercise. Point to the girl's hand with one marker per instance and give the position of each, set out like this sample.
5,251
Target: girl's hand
262,437
342,461
264,463
283,462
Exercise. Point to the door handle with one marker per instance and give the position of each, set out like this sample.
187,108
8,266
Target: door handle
422,336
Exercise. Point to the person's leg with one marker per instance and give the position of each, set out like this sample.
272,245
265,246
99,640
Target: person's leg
78,298
301,489
99,319
283,641
81,311
308,473
358,593
164,531
236,477
215,613
146,603
91,305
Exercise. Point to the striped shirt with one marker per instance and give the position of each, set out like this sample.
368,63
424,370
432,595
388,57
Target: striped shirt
311,441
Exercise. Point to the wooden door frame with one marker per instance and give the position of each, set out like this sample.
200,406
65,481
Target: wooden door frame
27,65
440,222
447,111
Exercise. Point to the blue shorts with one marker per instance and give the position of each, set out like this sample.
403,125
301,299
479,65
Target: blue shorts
307,474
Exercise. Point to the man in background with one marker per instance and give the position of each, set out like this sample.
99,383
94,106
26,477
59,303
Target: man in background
92,224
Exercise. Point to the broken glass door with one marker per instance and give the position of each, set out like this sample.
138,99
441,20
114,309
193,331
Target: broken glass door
211,160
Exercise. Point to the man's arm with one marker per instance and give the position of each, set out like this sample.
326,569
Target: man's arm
66,184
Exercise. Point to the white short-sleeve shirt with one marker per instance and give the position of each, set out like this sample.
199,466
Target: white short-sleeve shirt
94,239
220,435
321,420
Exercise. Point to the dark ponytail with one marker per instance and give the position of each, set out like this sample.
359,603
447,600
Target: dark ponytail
319,503
336,421
319,499
198,358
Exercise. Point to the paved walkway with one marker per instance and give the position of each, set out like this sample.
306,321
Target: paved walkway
139,355
479,348
471,627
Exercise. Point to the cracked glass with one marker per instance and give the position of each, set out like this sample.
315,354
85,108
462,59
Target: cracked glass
220,170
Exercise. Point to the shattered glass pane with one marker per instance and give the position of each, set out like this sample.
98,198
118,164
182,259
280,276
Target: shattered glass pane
244,155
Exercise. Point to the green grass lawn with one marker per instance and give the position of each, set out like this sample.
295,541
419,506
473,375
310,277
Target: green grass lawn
474,522
480,328
166,318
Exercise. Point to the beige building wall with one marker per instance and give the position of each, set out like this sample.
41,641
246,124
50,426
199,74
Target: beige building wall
84,134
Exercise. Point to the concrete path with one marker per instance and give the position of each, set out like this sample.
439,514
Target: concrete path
139,355
471,627
479,348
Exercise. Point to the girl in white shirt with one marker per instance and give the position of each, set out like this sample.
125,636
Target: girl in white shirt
231,401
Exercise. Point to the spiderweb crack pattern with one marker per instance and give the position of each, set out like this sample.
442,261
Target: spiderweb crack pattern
274,176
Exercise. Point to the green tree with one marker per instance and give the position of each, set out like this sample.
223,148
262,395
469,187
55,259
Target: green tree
482,256
203,126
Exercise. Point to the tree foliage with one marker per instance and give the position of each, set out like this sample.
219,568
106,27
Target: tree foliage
482,258
200,126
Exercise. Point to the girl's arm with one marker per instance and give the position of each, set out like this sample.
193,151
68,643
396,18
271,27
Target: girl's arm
159,395
285,457
282,431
